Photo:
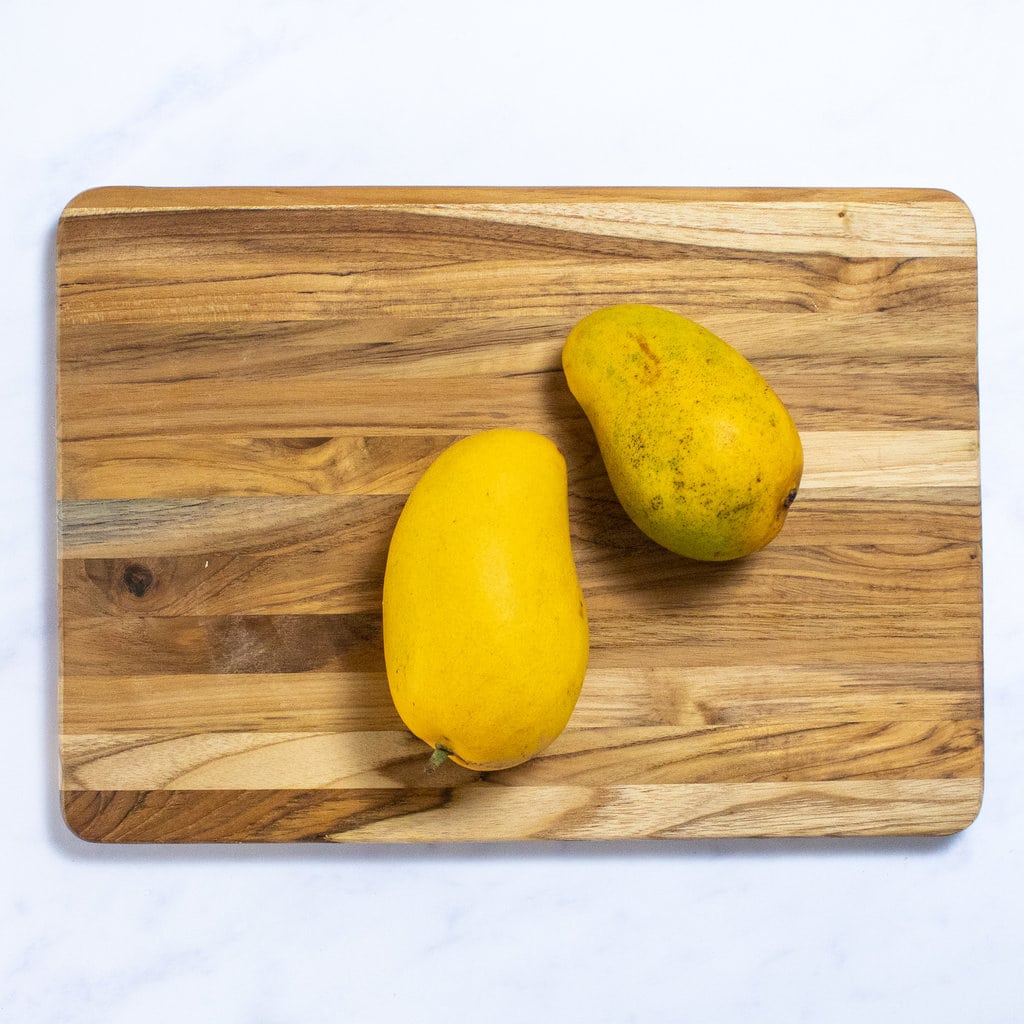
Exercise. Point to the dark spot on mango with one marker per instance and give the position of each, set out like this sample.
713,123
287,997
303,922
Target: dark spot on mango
648,351
790,498
636,447
727,511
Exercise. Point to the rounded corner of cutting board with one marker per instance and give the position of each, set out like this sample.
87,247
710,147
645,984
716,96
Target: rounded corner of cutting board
955,199
970,813
76,823
87,199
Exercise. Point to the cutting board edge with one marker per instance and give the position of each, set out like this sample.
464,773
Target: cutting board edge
107,199
132,817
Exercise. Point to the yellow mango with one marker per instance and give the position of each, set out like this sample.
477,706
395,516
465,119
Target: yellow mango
701,453
485,629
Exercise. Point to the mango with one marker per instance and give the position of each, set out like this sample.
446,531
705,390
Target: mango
700,451
486,638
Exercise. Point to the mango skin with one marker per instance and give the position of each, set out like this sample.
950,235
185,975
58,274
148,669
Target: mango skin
486,639
701,453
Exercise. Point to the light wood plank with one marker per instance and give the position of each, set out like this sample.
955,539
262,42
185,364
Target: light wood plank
190,465
690,698
896,222
342,572
594,758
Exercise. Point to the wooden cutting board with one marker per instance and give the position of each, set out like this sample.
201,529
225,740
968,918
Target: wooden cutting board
251,380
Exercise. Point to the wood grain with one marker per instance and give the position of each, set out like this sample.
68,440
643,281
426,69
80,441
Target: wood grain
250,381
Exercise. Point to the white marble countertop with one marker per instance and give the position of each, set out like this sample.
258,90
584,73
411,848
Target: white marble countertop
304,92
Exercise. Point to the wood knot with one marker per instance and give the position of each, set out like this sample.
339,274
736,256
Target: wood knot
137,579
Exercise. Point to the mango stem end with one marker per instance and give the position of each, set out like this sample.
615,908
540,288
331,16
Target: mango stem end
438,758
